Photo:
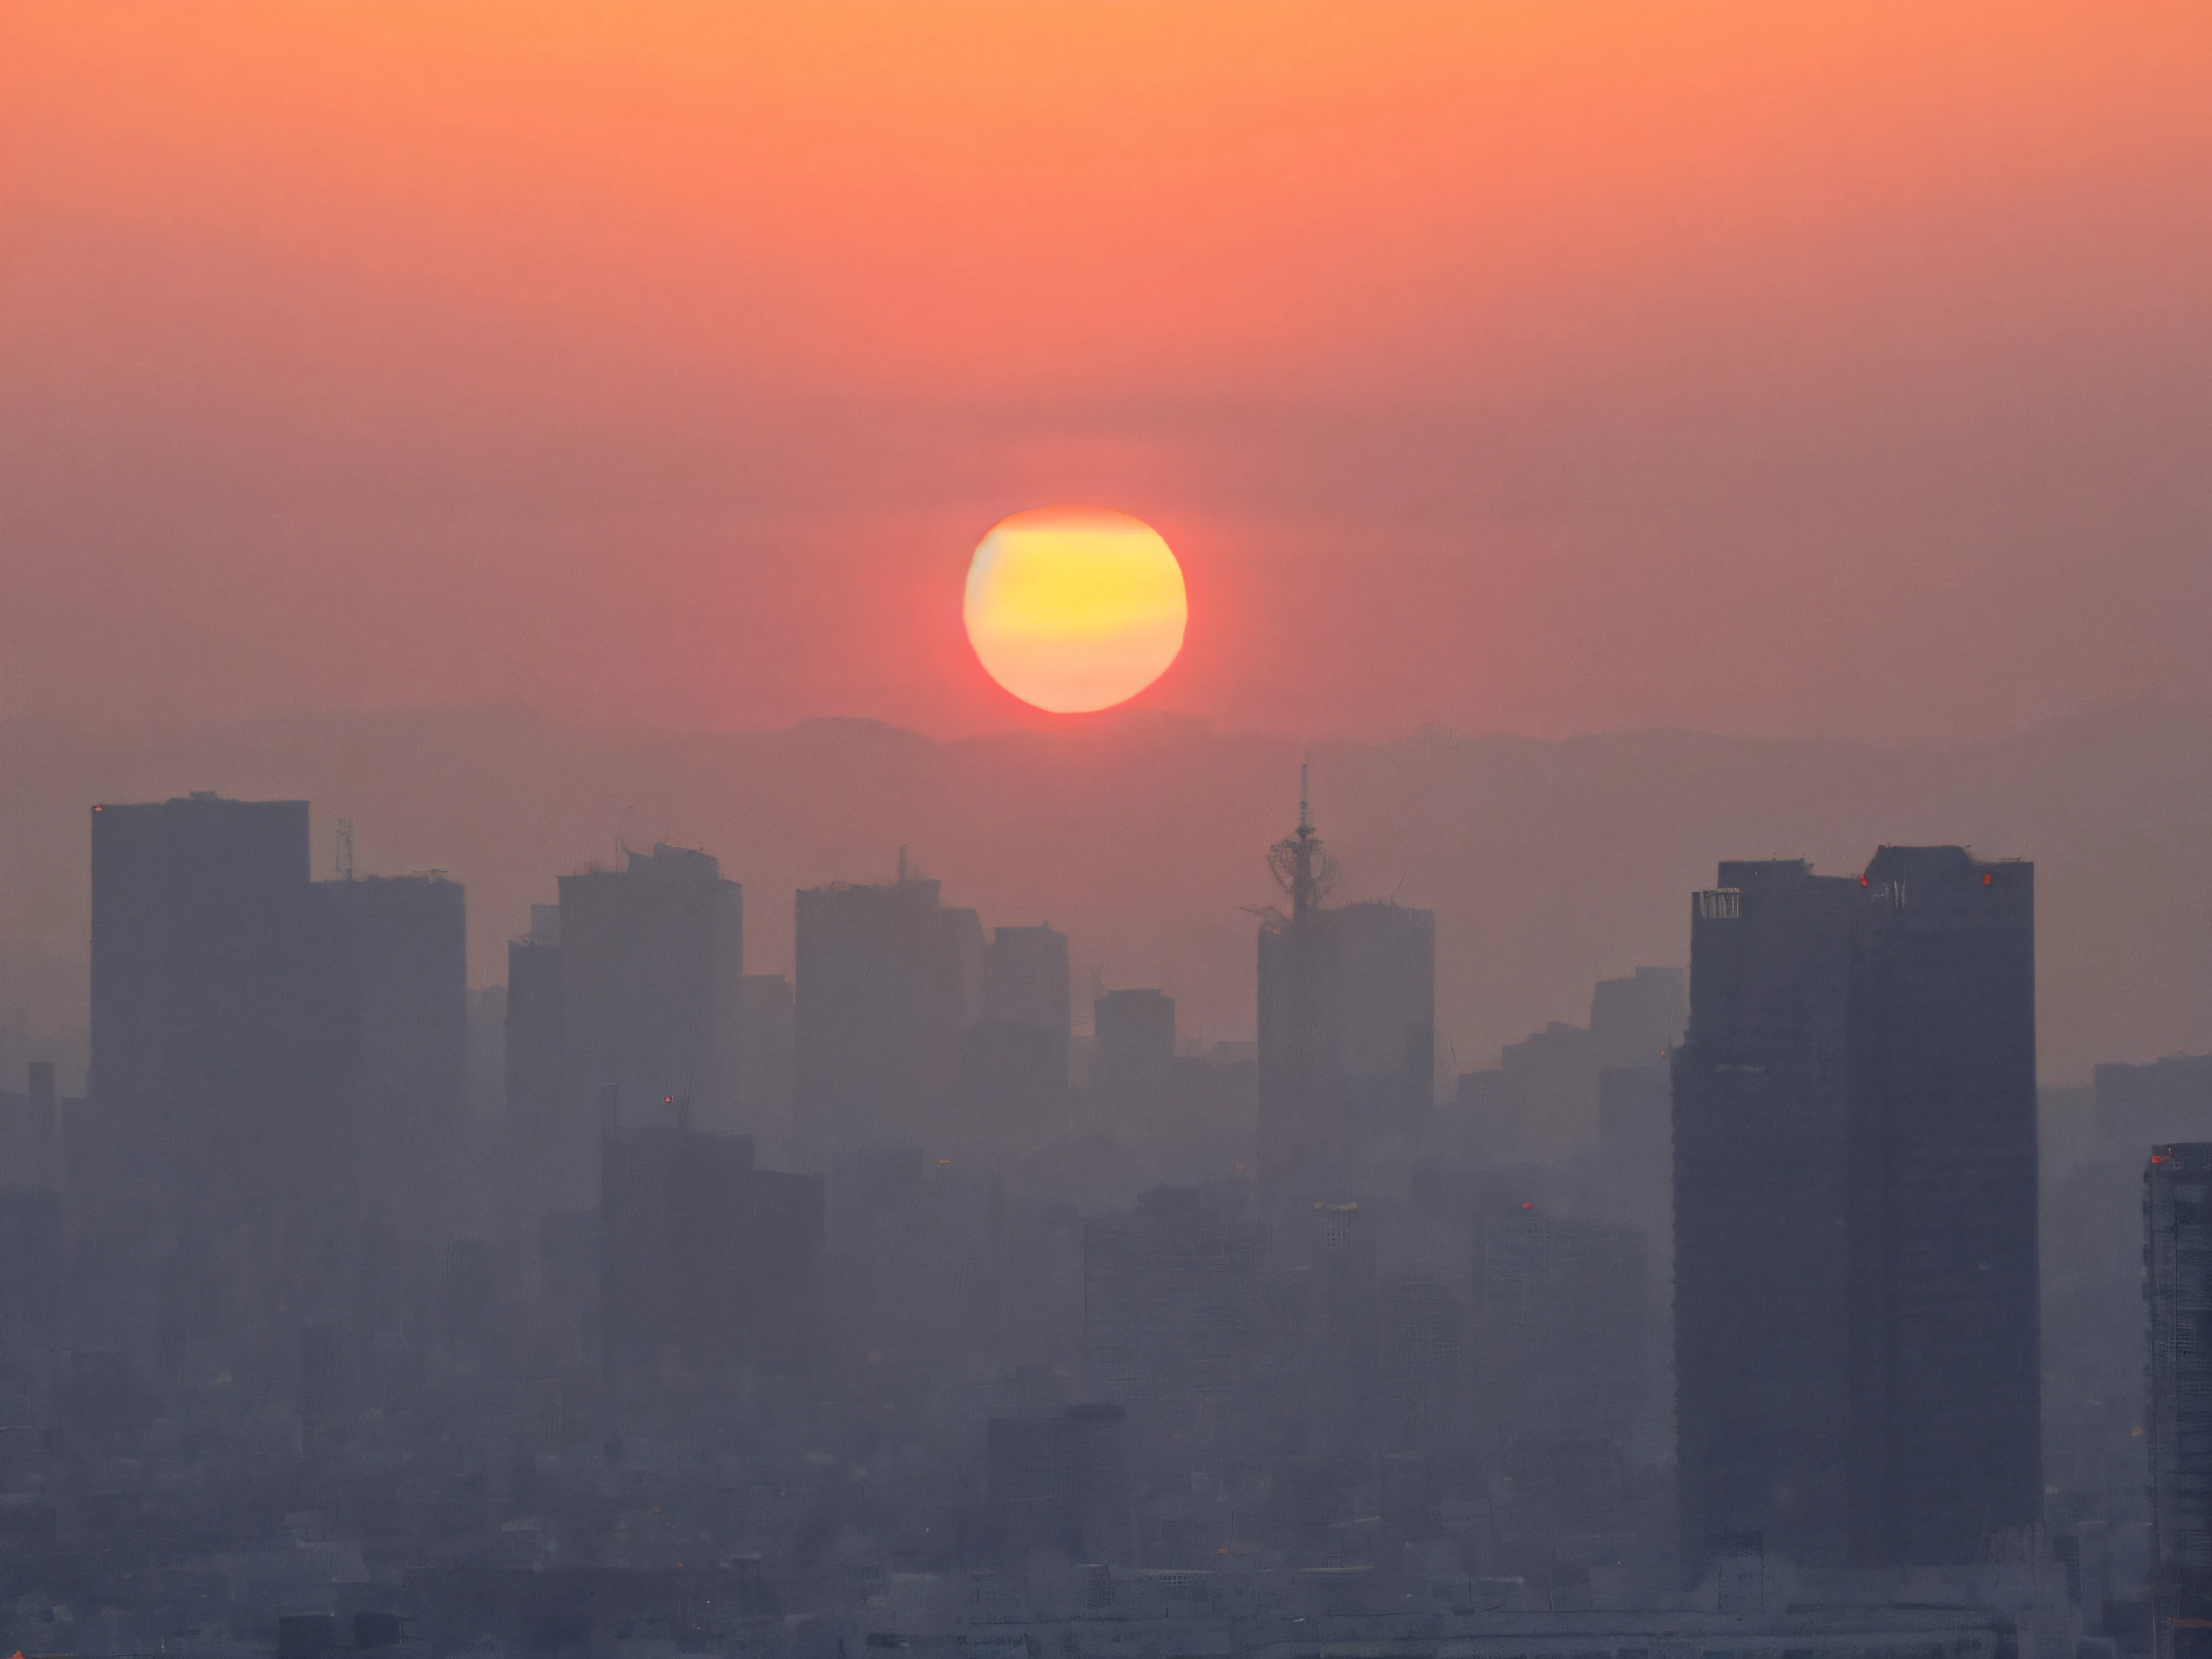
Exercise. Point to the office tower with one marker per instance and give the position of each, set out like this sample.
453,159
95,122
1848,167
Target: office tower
399,957
275,1065
889,982
1025,981
706,1263
1855,1211
214,1043
627,994
1347,1025
1134,1066
651,959
2177,1254
1014,1066
1636,1021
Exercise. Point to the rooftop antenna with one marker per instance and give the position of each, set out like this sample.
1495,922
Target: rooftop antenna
1300,864
345,861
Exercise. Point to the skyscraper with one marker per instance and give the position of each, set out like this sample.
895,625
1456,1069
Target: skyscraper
889,981
2177,1251
630,993
1014,1075
1347,1024
651,957
205,1016
1855,1265
400,954
272,1060
1135,1063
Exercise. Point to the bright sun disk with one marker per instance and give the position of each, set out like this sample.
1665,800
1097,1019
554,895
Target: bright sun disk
1073,608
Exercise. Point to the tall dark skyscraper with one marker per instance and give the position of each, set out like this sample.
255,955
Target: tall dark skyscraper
651,957
2177,1252
632,985
213,1041
1136,1032
1014,1081
1855,1211
889,982
1347,1024
275,1064
400,957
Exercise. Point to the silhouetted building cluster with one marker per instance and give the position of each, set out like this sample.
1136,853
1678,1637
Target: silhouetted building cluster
671,1308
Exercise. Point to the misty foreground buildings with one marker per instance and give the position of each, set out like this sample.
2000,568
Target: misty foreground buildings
871,1311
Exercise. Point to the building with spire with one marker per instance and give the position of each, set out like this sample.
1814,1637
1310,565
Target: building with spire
1347,1022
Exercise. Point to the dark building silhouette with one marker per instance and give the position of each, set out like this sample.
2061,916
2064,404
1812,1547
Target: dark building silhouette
1347,1024
706,1263
2177,1257
889,982
277,1069
1134,1063
1855,1211
399,956
651,958
632,985
1014,1075
213,1035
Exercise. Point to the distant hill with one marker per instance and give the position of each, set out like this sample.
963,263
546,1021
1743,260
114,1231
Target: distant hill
1549,864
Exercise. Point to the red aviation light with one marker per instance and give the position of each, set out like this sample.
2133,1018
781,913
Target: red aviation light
1862,881
1528,1206
1987,876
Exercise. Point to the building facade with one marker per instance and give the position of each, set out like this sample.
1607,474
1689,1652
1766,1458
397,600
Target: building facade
1856,1314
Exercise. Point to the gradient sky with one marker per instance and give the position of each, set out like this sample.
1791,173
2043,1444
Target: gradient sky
1778,369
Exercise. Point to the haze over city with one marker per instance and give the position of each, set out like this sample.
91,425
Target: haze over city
1146,830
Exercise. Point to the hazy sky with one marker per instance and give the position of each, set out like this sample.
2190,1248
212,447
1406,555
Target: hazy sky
1758,368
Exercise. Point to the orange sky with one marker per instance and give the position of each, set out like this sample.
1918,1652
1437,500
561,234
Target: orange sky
1779,368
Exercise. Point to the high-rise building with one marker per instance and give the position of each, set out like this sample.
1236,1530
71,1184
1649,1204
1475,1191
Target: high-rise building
2177,1252
1855,1211
399,955
651,958
705,1261
214,1039
889,982
275,1065
1014,1071
1347,1025
630,993
1134,1063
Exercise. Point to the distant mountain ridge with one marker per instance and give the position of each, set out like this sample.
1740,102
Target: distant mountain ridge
1549,864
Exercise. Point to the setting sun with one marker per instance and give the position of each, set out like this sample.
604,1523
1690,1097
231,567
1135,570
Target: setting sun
1073,608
